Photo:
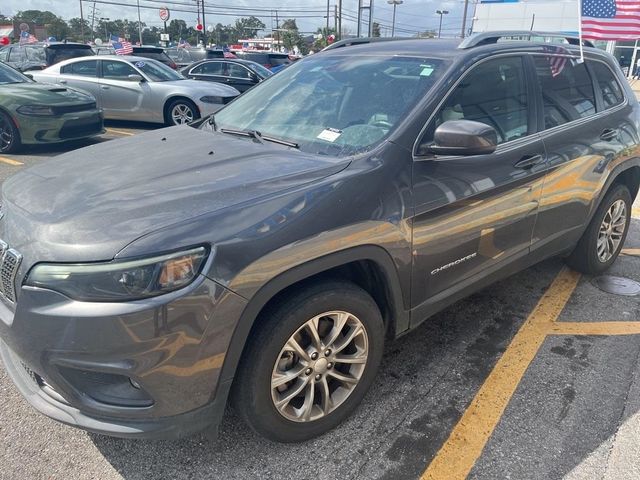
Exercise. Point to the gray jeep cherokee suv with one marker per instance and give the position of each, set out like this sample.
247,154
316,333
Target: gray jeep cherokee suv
265,256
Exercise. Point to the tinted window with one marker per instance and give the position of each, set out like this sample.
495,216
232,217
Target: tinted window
117,70
55,55
35,54
567,90
85,69
611,91
493,93
236,71
17,54
158,72
209,68
279,60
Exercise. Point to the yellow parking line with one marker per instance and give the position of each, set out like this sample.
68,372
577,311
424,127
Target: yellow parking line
10,161
635,212
469,437
631,251
595,328
119,132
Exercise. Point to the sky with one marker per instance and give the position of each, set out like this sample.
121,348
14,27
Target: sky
411,16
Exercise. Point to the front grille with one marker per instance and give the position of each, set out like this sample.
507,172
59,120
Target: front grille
9,263
81,128
61,110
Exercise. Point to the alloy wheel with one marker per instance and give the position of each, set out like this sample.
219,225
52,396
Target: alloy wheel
6,133
612,230
319,366
182,114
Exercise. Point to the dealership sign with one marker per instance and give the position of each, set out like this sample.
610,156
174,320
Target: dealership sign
165,14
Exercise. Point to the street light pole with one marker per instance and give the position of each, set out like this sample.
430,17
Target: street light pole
395,3
139,25
441,13
106,22
81,22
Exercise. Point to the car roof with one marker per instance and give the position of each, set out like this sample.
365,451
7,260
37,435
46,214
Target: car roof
125,58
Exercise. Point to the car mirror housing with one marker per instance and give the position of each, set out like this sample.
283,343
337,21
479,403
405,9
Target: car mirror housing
135,78
463,137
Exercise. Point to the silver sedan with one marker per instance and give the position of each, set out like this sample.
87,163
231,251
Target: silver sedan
137,88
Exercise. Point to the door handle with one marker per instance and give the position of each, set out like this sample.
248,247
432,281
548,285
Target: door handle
104,87
609,134
529,161
63,82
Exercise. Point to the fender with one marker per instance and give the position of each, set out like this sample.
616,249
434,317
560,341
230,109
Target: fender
299,273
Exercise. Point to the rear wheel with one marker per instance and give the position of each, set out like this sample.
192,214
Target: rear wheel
181,112
602,241
311,362
9,135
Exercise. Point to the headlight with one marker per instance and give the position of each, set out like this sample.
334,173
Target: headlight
37,110
212,99
120,280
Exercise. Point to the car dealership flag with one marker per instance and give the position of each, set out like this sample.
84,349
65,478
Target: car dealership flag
610,19
121,46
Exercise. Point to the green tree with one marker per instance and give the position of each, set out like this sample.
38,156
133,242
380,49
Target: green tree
248,27
177,29
56,26
322,42
291,37
76,26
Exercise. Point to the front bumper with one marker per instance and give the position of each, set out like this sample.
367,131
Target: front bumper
167,351
69,126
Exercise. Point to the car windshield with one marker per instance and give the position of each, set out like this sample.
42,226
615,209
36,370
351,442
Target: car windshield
334,105
156,71
9,75
260,70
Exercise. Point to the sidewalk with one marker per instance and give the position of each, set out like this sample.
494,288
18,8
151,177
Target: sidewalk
635,85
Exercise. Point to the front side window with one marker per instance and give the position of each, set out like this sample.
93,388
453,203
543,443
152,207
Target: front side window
335,105
237,71
17,54
567,91
493,93
114,70
611,91
156,71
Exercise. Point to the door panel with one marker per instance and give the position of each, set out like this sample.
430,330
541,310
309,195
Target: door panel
582,147
82,75
476,213
121,98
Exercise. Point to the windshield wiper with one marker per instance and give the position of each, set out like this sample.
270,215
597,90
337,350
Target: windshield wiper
244,133
261,138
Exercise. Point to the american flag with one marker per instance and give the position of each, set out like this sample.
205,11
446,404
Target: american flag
556,62
611,19
121,46
26,37
183,44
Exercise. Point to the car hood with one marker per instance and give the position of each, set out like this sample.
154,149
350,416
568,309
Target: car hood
198,87
42,94
89,204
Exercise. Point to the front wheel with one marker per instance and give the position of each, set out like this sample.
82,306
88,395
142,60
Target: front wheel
181,112
604,237
311,362
9,135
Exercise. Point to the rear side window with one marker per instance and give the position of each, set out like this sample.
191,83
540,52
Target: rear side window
85,69
493,93
55,55
611,91
279,60
4,55
208,68
567,91
17,54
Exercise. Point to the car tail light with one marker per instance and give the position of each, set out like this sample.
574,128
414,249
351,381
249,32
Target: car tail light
174,65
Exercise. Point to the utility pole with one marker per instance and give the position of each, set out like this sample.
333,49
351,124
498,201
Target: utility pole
81,23
328,6
204,26
339,32
139,25
277,35
359,17
93,17
335,19
464,19
371,18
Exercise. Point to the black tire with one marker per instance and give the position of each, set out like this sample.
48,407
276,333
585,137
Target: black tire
252,394
584,257
10,136
180,102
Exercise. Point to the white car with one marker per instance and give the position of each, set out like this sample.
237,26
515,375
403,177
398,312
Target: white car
137,88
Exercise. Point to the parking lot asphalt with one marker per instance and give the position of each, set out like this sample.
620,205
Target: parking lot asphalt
535,377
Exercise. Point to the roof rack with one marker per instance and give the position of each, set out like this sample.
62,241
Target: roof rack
486,38
347,42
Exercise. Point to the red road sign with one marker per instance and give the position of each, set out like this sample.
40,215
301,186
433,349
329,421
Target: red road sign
164,14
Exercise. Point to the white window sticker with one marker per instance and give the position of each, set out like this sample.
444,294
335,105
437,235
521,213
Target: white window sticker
139,64
426,71
330,134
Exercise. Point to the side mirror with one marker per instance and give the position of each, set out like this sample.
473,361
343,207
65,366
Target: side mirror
135,78
254,78
28,75
464,137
